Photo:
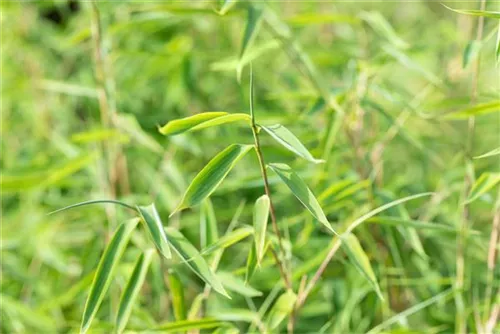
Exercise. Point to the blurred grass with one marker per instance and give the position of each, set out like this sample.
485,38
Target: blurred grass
378,90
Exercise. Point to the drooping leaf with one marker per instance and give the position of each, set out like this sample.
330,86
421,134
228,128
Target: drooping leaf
477,110
470,52
155,227
188,325
229,239
177,296
253,24
482,185
260,218
212,175
105,271
208,224
251,263
193,259
475,12
489,154
185,124
99,201
281,309
283,136
359,258
132,289
301,191
235,284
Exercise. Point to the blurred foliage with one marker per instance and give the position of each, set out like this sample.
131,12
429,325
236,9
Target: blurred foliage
385,93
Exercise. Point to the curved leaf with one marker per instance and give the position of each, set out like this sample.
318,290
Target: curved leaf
193,259
132,289
475,12
235,284
210,177
283,307
260,218
301,191
283,136
229,239
154,225
185,124
105,271
230,118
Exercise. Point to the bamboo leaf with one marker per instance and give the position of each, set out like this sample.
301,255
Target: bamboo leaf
489,154
154,225
482,185
185,124
478,109
475,12
359,258
260,218
226,6
254,19
470,52
208,224
301,191
132,289
381,26
177,296
235,284
99,201
283,136
230,118
281,309
212,175
193,259
229,239
251,263
105,271
188,325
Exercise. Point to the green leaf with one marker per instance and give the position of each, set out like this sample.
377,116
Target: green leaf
482,185
99,201
471,51
105,271
230,118
281,309
260,218
193,259
208,224
283,136
478,109
185,124
251,263
235,284
489,154
132,289
475,12
253,24
154,225
177,296
301,191
226,6
229,239
212,175
358,256
188,325
131,126
97,135
497,45
381,26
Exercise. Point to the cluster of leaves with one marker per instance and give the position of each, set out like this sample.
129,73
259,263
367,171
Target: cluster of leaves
370,203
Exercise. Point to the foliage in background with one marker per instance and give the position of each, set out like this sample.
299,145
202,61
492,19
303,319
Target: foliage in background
351,186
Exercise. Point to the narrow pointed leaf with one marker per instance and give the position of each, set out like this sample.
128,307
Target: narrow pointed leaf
177,296
283,136
251,263
99,201
188,325
301,191
235,284
254,19
210,177
208,224
475,12
482,185
260,218
489,154
360,260
226,6
132,289
185,124
229,239
382,27
281,309
193,259
229,118
477,110
105,271
155,227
